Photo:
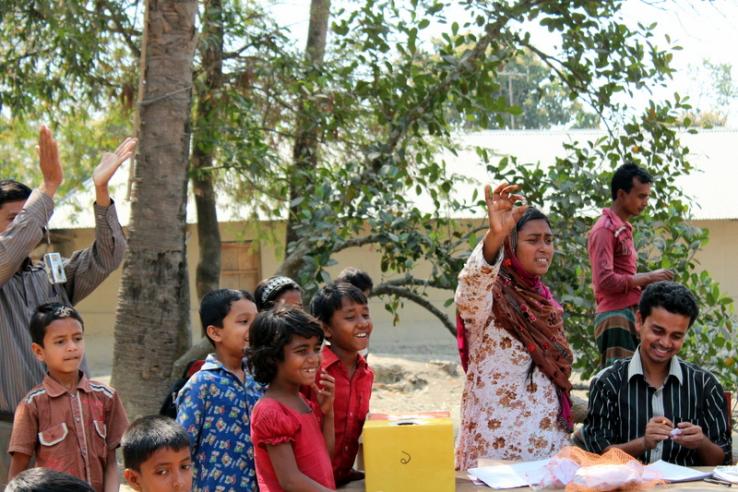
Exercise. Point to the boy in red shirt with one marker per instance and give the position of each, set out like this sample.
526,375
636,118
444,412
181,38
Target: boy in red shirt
343,311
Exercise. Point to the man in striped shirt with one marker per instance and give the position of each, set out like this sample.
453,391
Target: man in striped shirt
24,215
654,405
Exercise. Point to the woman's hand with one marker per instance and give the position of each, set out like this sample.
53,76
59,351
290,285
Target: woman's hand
502,215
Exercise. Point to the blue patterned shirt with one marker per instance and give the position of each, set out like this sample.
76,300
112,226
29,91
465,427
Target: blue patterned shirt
215,408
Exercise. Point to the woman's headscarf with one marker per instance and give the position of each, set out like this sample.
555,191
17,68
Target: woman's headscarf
524,306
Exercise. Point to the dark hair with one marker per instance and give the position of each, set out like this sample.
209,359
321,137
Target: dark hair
269,290
330,298
623,178
46,314
358,278
149,434
531,213
270,332
216,305
47,480
13,191
672,296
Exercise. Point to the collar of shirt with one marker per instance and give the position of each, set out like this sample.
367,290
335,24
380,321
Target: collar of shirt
618,224
213,364
330,358
635,367
55,389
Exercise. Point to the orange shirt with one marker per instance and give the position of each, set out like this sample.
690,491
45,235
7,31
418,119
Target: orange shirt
614,259
70,431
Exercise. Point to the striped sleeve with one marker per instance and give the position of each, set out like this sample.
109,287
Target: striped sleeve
24,233
714,419
601,427
87,268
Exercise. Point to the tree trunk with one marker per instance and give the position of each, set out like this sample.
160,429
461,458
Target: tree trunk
204,136
304,152
152,320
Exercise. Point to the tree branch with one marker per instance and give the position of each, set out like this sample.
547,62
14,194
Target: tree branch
120,29
385,289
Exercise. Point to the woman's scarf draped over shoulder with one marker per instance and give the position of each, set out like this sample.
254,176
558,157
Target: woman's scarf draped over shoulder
525,307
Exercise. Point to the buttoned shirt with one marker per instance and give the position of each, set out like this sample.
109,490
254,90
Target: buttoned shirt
24,286
621,403
614,260
350,406
71,431
215,407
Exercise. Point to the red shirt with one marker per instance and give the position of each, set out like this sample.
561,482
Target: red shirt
349,408
70,431
614,259
273,423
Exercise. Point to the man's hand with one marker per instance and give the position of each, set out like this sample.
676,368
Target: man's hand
657,430
109,163
48,156
691,435
661,274
326,393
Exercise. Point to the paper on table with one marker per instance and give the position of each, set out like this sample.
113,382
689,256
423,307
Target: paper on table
727,473
511,476
676,473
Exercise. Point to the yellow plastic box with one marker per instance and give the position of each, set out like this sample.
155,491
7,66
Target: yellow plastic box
409,453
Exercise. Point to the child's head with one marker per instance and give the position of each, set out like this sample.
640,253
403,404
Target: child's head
276,291
46,480
156,455
276,336
358,278
342,309
57,333
226,315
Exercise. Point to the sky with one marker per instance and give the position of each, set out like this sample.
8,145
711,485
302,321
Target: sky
704,29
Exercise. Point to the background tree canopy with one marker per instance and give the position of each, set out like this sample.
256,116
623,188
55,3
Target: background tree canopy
343,137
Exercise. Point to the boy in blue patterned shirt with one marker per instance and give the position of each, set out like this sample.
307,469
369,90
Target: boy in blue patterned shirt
215,405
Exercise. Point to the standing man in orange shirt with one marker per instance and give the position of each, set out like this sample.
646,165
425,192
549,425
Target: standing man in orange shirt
617,284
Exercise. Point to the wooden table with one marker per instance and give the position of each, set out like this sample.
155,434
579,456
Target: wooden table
463,484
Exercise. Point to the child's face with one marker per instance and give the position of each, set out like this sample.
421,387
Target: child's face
233,336
166,470
291,297
301,361
63,348
350,327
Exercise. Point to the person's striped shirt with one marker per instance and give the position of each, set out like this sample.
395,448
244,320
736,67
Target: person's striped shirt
621,402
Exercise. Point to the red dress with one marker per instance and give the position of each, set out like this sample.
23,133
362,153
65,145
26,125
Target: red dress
273,423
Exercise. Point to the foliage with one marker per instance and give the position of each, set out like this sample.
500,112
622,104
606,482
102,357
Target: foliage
386,105
715,91
537,97
576,187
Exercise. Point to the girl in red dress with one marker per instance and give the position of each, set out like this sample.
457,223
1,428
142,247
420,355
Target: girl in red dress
293,438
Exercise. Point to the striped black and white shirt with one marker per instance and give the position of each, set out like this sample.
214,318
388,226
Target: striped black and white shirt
621,402
24,286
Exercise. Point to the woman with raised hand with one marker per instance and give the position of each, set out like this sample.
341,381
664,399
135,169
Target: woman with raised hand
515,404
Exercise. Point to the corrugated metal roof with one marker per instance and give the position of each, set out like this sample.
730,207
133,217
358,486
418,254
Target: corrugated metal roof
712,186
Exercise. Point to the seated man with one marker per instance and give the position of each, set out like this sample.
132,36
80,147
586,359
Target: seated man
654,405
